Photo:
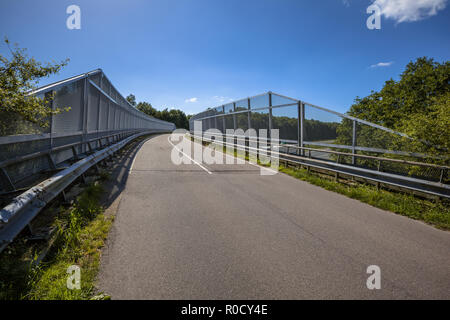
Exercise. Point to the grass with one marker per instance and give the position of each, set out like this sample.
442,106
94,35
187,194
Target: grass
432,212
81,234
435,213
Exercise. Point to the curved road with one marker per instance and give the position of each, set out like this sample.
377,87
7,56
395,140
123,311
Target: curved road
227,232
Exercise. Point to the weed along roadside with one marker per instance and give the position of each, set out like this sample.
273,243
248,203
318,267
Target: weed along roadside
432,212
64,265
436,213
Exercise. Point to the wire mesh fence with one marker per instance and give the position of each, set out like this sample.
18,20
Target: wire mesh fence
97,110
308,125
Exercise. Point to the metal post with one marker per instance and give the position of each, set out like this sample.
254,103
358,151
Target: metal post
248,114
8,182
298,125
52,119
85,108
270,115
107,116
353,141
223,121
302,126
98,109
234,116
51,162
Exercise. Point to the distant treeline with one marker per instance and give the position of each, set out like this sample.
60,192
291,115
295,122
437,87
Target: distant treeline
315,130
176,116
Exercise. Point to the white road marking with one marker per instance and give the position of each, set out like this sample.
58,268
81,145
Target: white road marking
248,162
134,159
209,172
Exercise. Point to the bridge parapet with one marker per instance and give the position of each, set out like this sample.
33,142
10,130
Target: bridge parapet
99,115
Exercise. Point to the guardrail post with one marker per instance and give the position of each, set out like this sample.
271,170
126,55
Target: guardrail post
51,162
353,141
5,177
75,154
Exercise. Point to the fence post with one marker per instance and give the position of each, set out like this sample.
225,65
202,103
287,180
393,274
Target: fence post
85,110
353,141
107,115
223,121
301,115
248,114
270,115
298,126
52,117
234,116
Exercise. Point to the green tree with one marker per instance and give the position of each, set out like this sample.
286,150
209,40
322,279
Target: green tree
433,127
147,108
176,116
131,99
417,104
20,74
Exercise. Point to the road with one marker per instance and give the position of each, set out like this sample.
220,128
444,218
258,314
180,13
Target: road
228,232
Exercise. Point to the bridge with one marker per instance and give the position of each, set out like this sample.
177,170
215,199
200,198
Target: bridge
226,231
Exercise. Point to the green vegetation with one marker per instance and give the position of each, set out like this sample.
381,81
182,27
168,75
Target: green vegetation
435,213
18,75
418,105
80,236
176,116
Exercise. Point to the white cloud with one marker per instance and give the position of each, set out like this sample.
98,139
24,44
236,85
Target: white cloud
409,10
382,64
191,100
221,99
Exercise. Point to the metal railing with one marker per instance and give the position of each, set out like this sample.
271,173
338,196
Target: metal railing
304,123
25,207
98,115
331,136
310,158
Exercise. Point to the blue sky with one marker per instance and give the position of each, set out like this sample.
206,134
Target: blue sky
192,54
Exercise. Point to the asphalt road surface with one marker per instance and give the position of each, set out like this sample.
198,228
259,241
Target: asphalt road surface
227,232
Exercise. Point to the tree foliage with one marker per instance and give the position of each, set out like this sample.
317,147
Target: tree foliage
131,99
417,104
176,116
20,74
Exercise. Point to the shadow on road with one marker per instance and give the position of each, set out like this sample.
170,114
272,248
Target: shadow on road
119,170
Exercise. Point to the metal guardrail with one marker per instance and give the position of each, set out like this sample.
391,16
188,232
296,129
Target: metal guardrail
439,189
307,124
24,208
97,112
48,153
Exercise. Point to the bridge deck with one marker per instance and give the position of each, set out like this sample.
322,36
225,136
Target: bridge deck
227,232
